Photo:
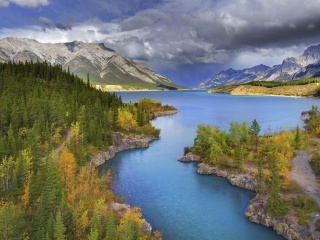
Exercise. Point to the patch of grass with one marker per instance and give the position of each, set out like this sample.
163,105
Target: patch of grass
293,187
304,220
252,201
315,162
305,204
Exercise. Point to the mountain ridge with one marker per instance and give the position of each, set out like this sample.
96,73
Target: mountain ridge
105,66
292,68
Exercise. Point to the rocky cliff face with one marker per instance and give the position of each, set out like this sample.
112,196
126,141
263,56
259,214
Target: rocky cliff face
286,226
104,65
122,142
307,65
243,180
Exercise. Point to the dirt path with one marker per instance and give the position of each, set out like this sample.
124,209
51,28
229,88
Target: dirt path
303,174
57,151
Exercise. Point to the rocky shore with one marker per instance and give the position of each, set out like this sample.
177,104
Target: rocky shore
286,226
122,142
239,179
164,113
123,208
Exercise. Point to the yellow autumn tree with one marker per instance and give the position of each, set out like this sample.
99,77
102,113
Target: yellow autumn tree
131,225
279,148
67,166
26,154
126,121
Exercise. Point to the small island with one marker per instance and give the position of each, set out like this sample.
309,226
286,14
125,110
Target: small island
282,168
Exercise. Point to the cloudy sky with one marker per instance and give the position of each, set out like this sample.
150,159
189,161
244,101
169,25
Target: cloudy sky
185,40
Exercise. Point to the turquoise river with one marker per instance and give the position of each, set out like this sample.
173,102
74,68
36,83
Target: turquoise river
173,197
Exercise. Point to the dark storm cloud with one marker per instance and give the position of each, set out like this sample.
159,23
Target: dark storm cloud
304,31
47,23
206,31
142,19
63,27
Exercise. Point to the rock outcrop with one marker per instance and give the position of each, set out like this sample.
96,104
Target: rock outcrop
242,180
305,116
122,142
239,179
287,226
164,113
190,157
123,209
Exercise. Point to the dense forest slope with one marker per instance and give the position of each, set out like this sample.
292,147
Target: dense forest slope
107,68
51,122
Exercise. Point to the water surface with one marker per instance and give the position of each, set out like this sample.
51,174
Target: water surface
174,198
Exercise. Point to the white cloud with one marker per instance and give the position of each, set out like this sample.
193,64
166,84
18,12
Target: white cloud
25,3
266,56
4,3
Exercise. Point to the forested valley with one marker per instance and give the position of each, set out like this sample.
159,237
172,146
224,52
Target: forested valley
52,192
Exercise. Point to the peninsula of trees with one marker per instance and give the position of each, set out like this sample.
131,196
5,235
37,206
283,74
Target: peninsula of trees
267,159
51,123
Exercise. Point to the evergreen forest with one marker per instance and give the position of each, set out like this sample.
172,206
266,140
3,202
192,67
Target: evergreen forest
51,124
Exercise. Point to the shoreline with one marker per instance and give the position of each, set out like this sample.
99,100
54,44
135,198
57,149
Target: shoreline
122,142
296,91
286,226
119,88
268,95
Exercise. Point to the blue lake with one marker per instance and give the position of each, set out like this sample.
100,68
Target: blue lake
174,198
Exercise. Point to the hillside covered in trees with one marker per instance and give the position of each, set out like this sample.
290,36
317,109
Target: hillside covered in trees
52,193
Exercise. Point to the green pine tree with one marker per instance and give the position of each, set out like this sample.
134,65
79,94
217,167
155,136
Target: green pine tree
59,228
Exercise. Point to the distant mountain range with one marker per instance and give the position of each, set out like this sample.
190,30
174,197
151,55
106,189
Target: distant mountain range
107,69
305,66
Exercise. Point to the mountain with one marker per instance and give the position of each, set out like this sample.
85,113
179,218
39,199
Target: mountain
232,76
305,66
107,69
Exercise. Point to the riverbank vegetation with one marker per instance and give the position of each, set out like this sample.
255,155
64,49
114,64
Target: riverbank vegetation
267,157
51,122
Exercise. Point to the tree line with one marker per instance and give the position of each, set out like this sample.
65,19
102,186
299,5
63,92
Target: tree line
271,84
